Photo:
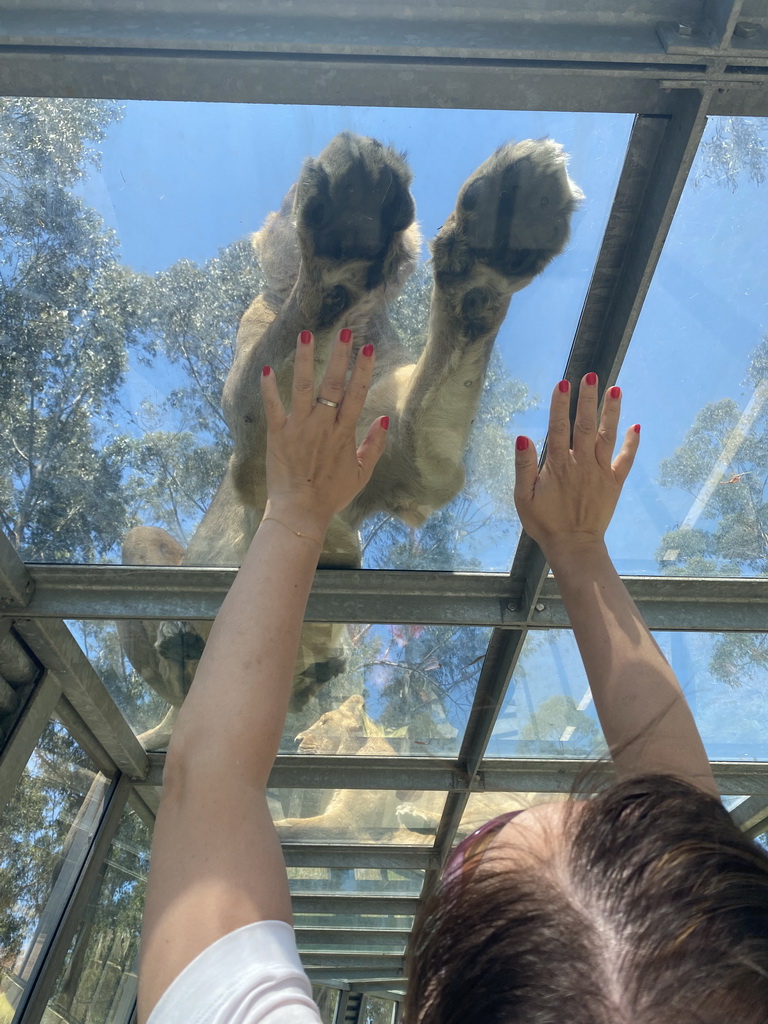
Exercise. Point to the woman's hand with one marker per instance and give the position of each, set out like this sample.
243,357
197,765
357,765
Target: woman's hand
571,501
314,467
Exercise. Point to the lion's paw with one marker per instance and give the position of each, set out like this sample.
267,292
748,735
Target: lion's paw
352,206
512,216
179,641
415,820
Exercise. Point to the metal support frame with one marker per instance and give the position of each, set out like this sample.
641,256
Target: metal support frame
535,56
22,740
38,992
390,596
420,54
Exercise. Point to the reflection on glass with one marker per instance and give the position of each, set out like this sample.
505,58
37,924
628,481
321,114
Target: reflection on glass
402,690
356,816
374,881
397,689
327,1000
549,712
142,706
696,375
45,833
97,984
375,1010
129,329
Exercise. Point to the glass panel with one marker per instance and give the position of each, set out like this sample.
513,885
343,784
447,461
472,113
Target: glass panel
375,881
45,833
356,816
97,984
113,385
375,1010
105,647
404,689
549,712
327,1000
696,375
392,689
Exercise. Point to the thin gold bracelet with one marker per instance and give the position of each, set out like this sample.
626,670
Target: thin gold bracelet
298,533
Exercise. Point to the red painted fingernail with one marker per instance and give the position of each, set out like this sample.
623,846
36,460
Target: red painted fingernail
591,379
522,444
345,335
564,386
615,392
636,428
265,371
368,350
306,337
385,422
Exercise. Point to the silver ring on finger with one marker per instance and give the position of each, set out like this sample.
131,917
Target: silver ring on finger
328,402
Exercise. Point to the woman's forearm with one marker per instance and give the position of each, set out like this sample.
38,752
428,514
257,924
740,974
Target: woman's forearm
645,718
235,711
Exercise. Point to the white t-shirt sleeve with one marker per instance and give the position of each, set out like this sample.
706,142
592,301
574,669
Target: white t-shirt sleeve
251,976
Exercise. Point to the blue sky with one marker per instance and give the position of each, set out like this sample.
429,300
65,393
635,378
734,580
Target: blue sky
182,180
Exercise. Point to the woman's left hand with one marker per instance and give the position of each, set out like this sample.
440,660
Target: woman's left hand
314,467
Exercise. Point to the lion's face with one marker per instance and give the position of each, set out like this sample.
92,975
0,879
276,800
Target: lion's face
336,732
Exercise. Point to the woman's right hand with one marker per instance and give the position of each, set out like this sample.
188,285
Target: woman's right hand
569,504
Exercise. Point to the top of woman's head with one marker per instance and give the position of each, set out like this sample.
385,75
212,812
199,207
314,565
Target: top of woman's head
655,912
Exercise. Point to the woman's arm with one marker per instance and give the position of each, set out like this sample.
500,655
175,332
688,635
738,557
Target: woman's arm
216,862
567,508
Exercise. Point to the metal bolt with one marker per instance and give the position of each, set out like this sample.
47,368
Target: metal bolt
746,29
684,30
512,606
540,606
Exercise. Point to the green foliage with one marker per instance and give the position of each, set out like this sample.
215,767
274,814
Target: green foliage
730,536
376,1010
736,149
142,707
555,717
106,945
68,312
35,833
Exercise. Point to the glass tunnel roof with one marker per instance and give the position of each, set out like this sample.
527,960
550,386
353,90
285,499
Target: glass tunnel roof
438,684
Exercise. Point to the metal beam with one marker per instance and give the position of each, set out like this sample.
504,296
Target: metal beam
381,963
720,18
38,992
21,741
58,650
357,905
380,939
16,585
751,815
389,596
677,604
492,775
394,858
420,54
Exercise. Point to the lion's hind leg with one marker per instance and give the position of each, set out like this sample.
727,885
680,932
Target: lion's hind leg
165,669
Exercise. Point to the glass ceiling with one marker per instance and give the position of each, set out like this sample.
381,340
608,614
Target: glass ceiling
126,264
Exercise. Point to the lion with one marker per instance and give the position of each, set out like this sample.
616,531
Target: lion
340,248
356,815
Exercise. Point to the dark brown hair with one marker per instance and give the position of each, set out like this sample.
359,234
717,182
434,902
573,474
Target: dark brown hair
659,917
